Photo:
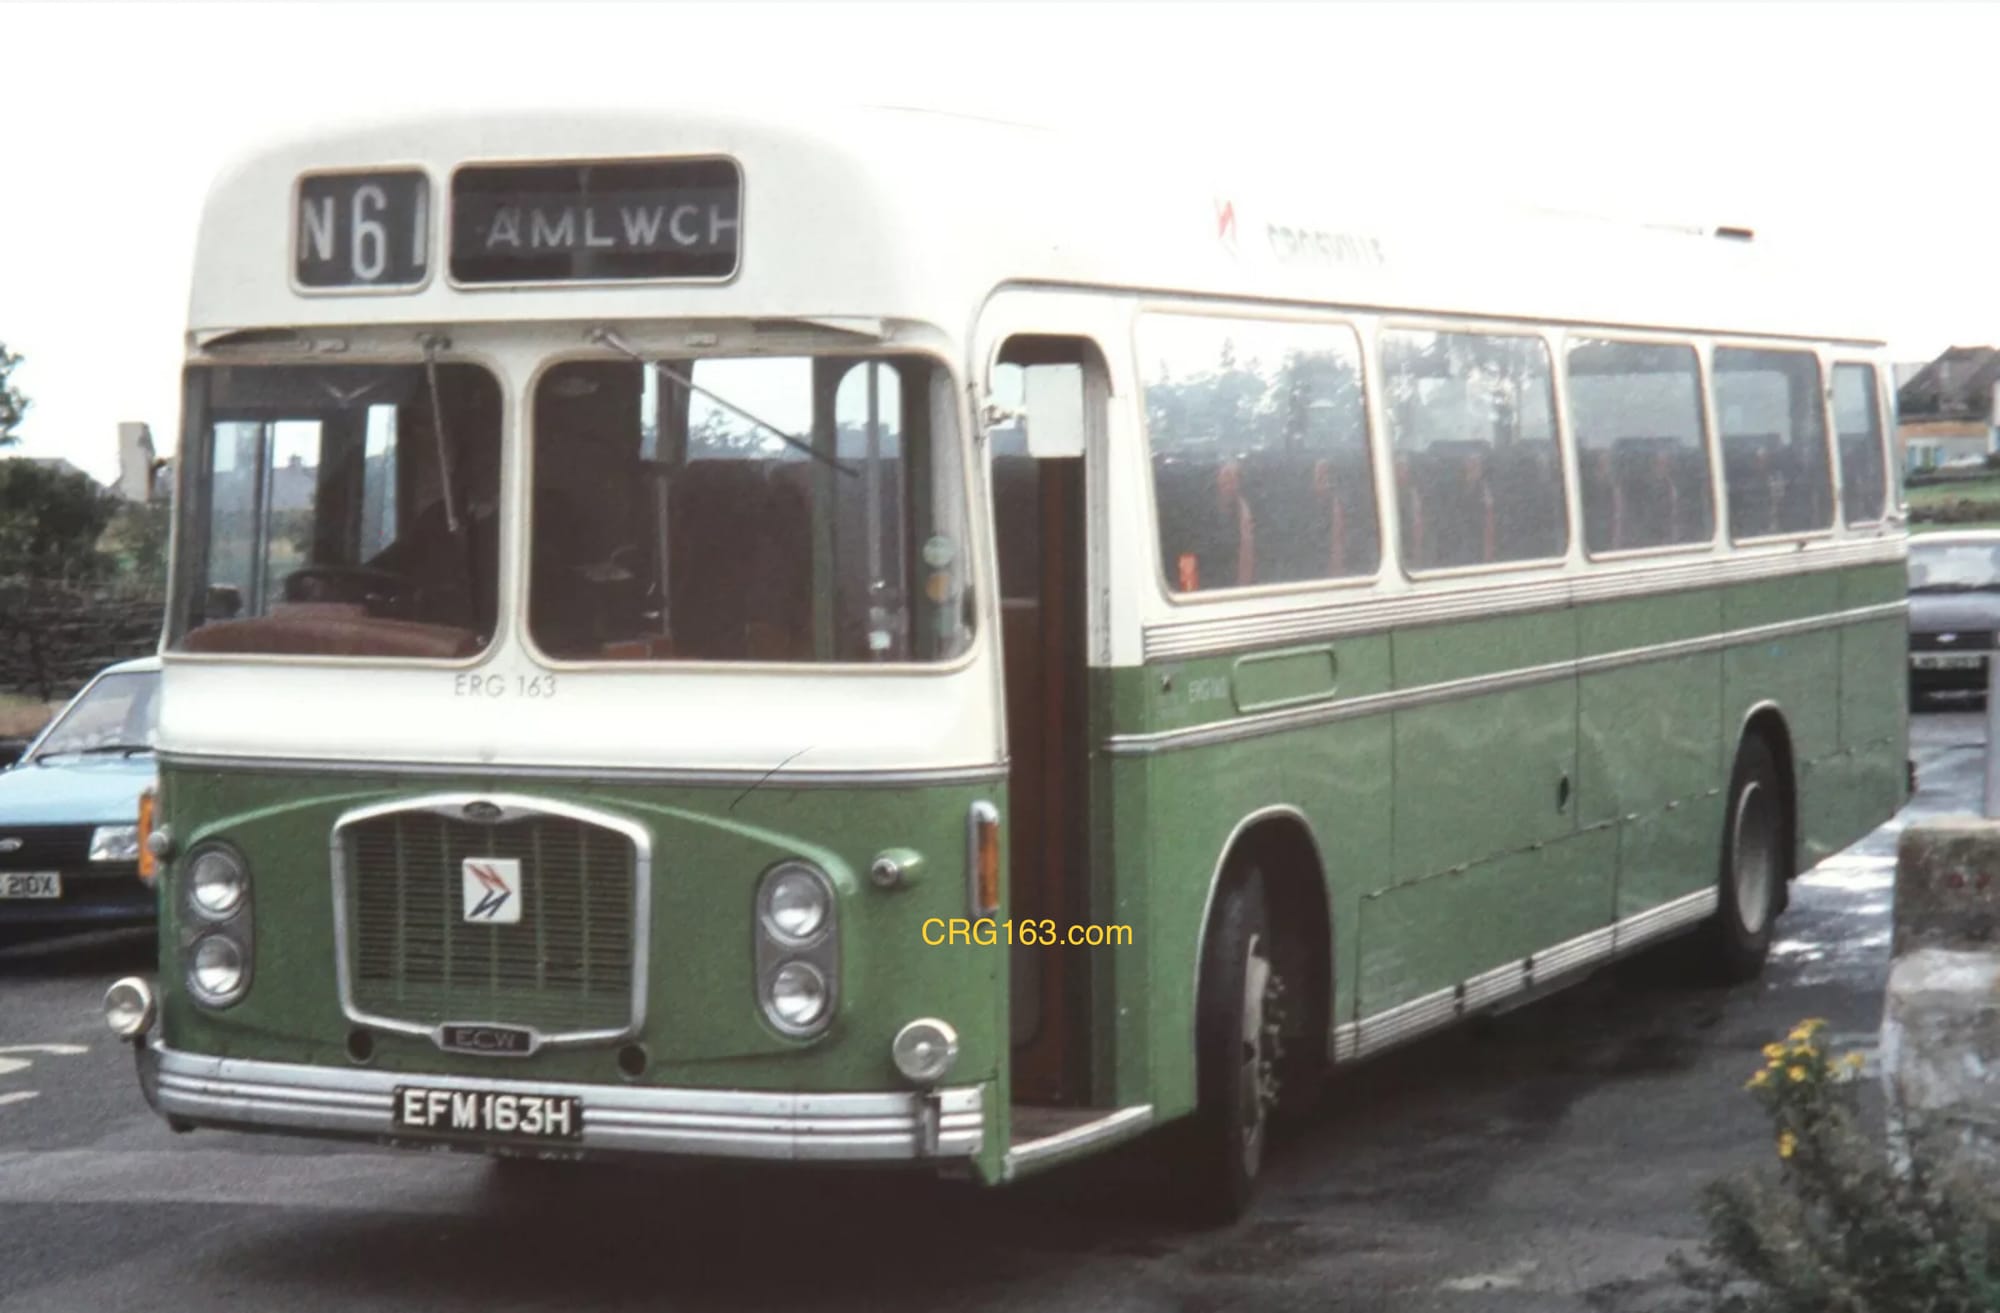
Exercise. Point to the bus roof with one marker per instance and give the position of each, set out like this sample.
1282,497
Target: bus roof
916,215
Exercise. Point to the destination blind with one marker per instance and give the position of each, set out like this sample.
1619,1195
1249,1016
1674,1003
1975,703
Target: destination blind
596,222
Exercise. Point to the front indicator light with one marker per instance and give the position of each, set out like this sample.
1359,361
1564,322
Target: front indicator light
924,1051
128,1008
152,843
217,975
798,997
115,843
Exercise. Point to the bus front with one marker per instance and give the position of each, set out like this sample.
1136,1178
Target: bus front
579,682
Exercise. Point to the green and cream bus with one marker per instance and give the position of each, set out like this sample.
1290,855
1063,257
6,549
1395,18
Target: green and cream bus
899,639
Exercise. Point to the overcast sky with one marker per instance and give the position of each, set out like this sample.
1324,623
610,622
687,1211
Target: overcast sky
1856,134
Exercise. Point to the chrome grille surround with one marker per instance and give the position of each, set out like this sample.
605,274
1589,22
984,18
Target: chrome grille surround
493,809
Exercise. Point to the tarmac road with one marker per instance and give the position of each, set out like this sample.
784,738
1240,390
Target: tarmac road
1546,1160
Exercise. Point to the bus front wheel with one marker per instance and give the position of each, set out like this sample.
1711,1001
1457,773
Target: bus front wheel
1236,1054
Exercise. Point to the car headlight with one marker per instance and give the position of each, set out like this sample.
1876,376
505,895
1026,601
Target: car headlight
216,883
218,970
114,843
796,902
798,997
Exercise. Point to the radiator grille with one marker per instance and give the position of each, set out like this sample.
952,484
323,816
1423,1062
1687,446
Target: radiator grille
46,847
412,956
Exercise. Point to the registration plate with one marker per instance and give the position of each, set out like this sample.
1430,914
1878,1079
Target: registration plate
1949,661
489,1113
31,884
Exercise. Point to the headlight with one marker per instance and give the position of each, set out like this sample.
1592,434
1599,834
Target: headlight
797,948
795,902
114,843
216,883
218,971
798,997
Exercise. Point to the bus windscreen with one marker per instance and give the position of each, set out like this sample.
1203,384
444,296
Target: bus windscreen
344,510
793,509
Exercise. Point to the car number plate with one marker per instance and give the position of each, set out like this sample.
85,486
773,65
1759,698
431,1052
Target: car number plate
489,1113
1949,661
31,884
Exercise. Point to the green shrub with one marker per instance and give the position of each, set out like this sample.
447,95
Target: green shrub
1836,1227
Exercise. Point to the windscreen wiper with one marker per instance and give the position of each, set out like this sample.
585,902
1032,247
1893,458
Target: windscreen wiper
96,749
605,337
448,477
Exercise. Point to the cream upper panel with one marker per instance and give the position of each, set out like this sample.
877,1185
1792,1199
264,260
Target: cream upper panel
919,216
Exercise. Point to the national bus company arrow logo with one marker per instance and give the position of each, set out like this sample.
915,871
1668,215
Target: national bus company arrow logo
492,890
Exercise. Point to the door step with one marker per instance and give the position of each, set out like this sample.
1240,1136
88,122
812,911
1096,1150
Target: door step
1045,1136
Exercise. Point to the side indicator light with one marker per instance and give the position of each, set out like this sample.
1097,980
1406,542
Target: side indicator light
149,864
983,859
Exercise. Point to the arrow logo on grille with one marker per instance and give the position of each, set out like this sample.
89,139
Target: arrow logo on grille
496,892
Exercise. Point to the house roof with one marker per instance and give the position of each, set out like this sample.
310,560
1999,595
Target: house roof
1958,384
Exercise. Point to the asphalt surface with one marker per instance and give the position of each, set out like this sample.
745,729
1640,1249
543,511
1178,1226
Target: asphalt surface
1546,1160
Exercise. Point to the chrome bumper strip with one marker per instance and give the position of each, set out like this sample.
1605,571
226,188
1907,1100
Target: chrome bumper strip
872,1127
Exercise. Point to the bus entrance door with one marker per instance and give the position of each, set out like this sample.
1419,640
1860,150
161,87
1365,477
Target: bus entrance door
1040,525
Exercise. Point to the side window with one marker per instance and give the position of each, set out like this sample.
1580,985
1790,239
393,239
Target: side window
378,481
1768,406
1635,413
1016,481
1472,429
1259,439
1857,421
265,483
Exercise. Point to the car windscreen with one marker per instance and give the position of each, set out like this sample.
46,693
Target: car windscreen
116,714
1954,567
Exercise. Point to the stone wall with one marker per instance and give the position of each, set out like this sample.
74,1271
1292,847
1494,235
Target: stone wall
54,635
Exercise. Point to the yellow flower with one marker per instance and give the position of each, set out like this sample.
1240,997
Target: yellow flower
1796,1073
1808,1028
1853,1061
1775,1052
1759,1081
1787,1144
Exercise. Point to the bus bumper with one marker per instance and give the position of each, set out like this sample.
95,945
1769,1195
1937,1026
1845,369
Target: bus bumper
892,1126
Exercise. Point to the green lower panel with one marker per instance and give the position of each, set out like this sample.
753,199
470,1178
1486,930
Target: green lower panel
1874,677
1648,735
1428,935
1196,800
1483,775
1668,853
1800,675
1843,797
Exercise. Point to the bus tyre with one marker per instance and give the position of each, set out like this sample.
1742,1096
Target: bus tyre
1235,1056
1756,865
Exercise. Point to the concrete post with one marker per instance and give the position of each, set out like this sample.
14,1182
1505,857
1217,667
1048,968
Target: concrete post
1940,1048
1992,810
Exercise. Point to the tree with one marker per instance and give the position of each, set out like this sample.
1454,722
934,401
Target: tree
13,404
50,521
137,542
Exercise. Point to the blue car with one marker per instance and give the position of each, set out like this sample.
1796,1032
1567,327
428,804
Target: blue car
69,808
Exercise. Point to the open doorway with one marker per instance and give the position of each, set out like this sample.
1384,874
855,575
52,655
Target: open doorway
1040,515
